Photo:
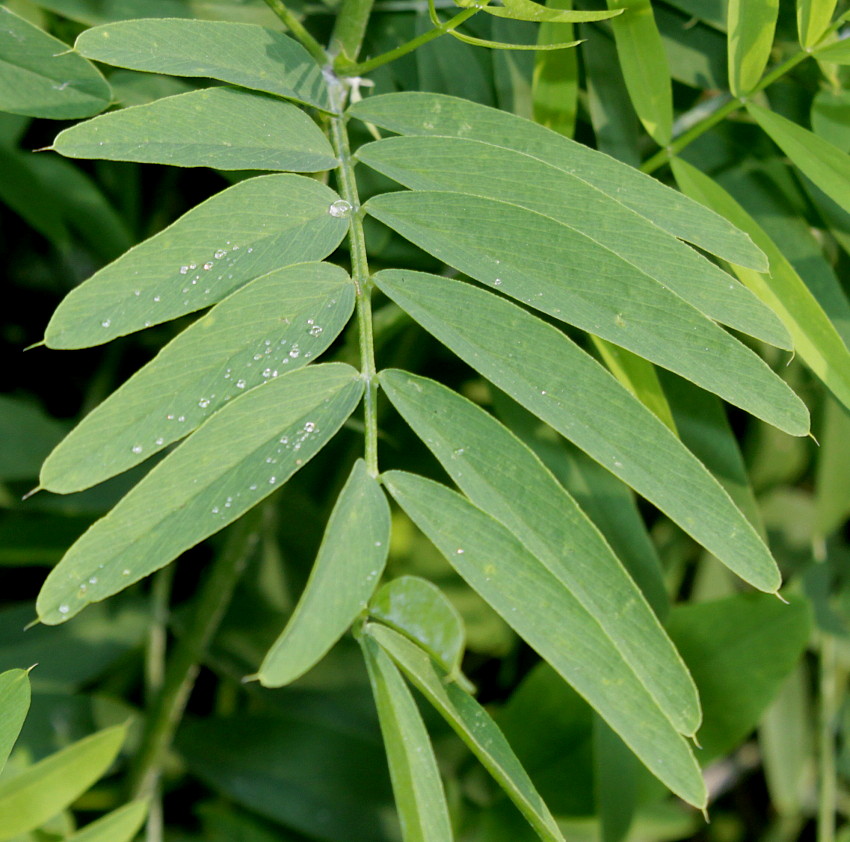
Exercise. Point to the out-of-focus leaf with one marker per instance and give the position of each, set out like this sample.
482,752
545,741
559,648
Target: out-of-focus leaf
554,88
696,51
813,17
30,798
275,324
831,117
120,825
616,780
240,53
14,704
347,569
93,12
750,27
529,10
42,78
28,434
235,460
473,725
534,603
418,790
131,87
645,67
418,609
832,477
225,128
243,232
435,114
525,370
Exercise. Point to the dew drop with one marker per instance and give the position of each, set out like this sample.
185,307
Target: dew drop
137,292
64,609
137,448
316,330
208,265
497,282
156,298
340,208
106,323
93,580
215,510
309,427
272,480
160,441
240,384
203,403
219,254
184,269
125,572
459,551
181,418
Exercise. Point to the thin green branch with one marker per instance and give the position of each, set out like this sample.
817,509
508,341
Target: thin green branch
299,31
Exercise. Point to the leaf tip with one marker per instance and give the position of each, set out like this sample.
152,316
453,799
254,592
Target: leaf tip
32,492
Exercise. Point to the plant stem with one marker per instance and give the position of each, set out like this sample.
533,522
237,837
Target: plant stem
299,31
826,739
360,275
350,28
182,669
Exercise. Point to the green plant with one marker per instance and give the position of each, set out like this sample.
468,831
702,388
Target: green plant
589,309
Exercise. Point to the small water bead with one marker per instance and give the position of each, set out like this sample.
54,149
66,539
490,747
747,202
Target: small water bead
137,448
215,510
184,269
64,609
240,384
169,417
156,298
340,208
252,487
459,551
309,426
219,254
498,282
106,323
208,265
272,480
137,292
160,441
83,587
316,330
294,352
203,403
93,580
125,572
181,418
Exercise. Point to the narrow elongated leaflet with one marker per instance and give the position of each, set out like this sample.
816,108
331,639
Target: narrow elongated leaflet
815,338
813,17
548,374
273,325
472,724
437,114
30,798
534,603
14,704
566,274
42,78
555,84
418,790
240,53
120,825
523,495
750,28
485,169
239,234
347,569
240,456
225,128
419,609
645,68
529,10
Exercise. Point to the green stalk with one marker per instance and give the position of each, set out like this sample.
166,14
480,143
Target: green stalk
182,668
299,31
350,28
826,740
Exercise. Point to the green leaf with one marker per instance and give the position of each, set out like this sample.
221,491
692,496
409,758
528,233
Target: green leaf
418,790
30,798
813,17
240,53
529,10
436,114
555,83
93,12
41,78
523,496
225,128
235,460
826,165
517,251
616,778
273,325
28,435
419,609
750,28
14,704
347,568
472,724
534,603
544,371
599,227
645,67
120,825
830,117
815,337
252,228
832,478
506,45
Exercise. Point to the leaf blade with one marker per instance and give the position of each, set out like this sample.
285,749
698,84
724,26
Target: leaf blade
120,825
750,28
14,704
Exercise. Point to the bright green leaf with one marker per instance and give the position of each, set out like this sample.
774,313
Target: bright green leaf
534,603
240,53
566,274
473,725
436,114
813,17
120,825
418,790
645,67
225,128
544,371
521,494
815,337
30,798
41,78
14,704
750,28
235,460
529,10
347,568
419,609
243,232
273,325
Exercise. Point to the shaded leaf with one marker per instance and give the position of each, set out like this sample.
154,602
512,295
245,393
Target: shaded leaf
14,704
252,228
524,367
93,12
832,472
555,82
436,114
418,790
41,78
472,724
120,825
831,117
277,323
28,434
347,569
240,53
529,10
750,28
534,603
225,128
235,460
